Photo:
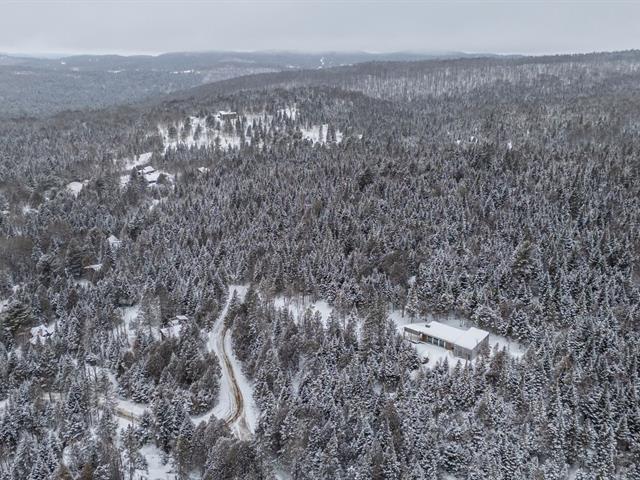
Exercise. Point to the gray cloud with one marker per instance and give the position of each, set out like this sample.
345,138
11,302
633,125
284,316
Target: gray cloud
474,26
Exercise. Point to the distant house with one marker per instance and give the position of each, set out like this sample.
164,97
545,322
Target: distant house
463,343
227,115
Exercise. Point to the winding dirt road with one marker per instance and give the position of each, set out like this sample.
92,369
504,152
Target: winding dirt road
232,403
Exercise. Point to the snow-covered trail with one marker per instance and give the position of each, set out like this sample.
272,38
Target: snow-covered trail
235,403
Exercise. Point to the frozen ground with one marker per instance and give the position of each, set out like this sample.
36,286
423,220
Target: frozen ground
297,307
316,136
75,187
210,136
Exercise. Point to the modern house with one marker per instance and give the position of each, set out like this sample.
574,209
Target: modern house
227,115
463,343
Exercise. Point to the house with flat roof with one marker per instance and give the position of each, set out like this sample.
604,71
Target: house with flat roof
463,343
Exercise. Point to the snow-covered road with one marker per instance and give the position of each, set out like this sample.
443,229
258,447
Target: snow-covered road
235,401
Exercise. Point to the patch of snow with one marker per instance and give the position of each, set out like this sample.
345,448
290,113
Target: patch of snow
219,342
96,267
251,413
291,112
133,409
124,180
75,187
297,307
174,328
204,169
138,161
158,465
41,333
129,316
313,133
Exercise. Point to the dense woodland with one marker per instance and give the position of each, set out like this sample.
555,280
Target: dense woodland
505,191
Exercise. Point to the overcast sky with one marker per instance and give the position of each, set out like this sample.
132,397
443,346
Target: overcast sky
146,26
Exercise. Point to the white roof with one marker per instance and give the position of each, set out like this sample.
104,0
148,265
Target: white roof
113,241
148,169
468,339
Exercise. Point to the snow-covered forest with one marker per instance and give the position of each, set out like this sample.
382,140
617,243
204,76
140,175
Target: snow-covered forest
212,285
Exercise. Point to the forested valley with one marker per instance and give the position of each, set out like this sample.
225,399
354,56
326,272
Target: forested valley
501,191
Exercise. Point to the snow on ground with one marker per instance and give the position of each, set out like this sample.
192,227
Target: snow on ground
41,333
157,465
174,328
75,187
224,406
297,307
251,413
211,136
131,408
316,136
280,474
138,160
124,180
129,316
219,342
291,112
207,136
96,267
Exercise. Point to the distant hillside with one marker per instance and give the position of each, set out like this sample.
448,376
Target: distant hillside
410,80
43,86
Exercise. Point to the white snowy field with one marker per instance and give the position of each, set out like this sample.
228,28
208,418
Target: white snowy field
297,307
207,136
76,187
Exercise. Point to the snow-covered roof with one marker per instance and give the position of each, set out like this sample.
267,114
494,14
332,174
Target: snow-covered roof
148,169
113,241
468,339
